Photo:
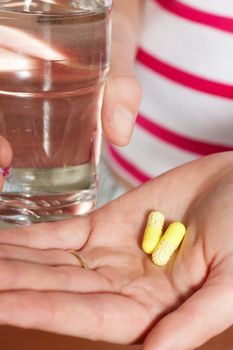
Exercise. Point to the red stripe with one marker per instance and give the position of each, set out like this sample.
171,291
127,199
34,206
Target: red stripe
179,76
128,166
179,141
197,16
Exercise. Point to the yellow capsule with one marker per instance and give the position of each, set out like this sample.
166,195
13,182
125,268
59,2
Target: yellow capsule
168,244
153,231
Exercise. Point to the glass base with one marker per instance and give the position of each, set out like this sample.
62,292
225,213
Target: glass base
22,210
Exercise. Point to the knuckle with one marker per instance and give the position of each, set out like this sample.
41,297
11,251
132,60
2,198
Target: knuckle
128,88
135,87
127,80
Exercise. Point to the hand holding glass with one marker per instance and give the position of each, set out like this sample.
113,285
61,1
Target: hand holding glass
54,63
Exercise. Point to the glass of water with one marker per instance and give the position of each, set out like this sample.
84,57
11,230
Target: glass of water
54,61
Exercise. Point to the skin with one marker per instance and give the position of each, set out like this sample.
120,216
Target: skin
5,156
124,298
123,91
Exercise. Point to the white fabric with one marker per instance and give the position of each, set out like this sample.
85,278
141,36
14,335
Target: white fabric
217,7
198,49
190,113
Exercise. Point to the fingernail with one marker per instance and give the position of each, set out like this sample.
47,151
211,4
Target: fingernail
123,122
5,171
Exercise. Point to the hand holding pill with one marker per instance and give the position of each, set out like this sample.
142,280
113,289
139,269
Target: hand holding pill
123,297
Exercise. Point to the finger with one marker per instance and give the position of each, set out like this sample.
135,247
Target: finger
121,103
11,61
48,257
123,91
5,158
21,275
5,153
67,234
24,43
106,317
207,313
61,3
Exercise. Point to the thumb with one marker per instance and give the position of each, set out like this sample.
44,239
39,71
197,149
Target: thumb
5,158
123,90
206,314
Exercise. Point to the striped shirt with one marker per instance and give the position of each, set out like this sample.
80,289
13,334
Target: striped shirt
185,65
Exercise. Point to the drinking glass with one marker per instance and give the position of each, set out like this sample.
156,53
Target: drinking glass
54,62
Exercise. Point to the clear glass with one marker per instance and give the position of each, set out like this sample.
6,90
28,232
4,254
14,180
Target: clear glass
53,67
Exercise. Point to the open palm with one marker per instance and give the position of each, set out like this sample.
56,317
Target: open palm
124,297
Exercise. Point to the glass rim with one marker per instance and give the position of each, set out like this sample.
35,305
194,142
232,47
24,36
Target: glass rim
106,6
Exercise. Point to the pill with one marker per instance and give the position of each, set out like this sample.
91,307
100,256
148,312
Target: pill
168,244
153,231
